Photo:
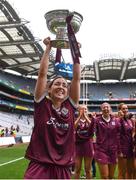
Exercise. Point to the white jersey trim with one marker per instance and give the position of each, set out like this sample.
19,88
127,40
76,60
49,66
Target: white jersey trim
46,95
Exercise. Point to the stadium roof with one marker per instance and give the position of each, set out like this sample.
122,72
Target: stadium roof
110,69
21,52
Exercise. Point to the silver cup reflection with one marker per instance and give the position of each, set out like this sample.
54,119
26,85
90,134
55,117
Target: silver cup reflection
56,23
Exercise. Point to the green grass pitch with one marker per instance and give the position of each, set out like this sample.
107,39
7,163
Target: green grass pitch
16,169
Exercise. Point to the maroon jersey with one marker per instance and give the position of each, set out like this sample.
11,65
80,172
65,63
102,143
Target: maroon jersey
52,140
135,146
135,140
84,144
107,140
84,130
107,133
126,139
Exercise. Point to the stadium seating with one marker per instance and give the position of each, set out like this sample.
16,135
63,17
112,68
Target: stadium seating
25,123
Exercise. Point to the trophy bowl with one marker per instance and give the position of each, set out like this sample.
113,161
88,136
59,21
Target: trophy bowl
56,23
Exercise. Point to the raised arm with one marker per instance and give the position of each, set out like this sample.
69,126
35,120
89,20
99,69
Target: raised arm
75,83
41,83
80,113
87,118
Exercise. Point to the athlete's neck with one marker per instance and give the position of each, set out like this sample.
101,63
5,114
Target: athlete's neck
56,105
106,118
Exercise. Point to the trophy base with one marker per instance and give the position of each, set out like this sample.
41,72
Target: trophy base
60,44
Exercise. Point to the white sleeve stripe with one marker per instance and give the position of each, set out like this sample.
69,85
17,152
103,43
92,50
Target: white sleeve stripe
41,98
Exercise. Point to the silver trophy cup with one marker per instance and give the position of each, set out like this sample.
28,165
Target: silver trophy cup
56,23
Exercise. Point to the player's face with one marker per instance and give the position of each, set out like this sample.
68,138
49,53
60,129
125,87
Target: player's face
83,109
106,109
59,89
124,109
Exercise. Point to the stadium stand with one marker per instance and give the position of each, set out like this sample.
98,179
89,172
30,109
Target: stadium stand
25,123
93,94
109,91
18,81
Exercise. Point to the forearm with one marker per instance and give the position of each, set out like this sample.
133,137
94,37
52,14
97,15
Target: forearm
44,63
75,84
88,119
41,84
76,72
85,116
77,121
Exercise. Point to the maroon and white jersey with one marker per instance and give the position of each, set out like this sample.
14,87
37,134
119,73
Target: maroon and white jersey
108,134
107,140
53,139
